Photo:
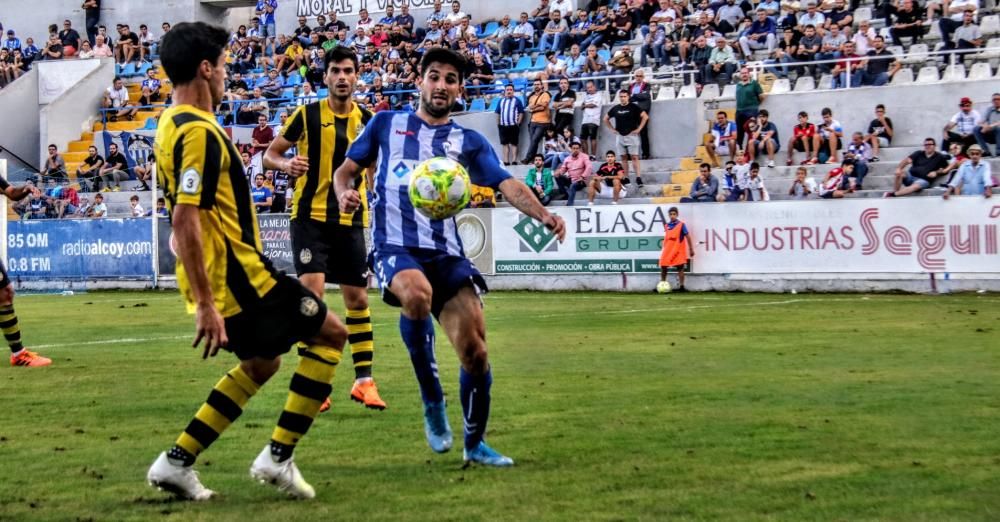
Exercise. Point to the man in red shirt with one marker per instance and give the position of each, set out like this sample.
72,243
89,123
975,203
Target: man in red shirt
857,68
263,135
804,139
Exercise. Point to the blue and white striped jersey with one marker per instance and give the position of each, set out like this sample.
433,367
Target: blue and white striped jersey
393,144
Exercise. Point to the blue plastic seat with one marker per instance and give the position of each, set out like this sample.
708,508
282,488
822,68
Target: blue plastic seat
539,63
523,64
490,29
150,124
604,54
478,105
143,69
129,70
494,103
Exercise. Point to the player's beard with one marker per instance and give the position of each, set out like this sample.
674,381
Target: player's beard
427,102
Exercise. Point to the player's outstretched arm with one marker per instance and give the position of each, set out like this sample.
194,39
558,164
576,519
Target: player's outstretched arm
19,193
343,184
209,322
274,158
518,194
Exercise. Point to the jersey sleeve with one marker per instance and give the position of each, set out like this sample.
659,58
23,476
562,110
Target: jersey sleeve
295,128
485,168
364,150
197,158
4,185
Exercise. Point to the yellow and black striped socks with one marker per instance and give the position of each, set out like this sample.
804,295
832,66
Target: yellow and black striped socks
12,332
224,405
359,334
309,387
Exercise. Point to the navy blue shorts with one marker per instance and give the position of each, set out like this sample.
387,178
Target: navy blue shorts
446,273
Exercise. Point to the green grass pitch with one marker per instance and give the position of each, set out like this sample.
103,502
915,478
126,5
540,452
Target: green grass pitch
615,407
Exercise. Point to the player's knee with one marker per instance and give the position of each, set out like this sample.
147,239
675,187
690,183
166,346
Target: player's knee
417,300
260,370
474,356
6,295
333,334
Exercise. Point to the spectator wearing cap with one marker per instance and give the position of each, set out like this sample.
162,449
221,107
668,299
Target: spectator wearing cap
925,168
12,42
973,178
270,87
762,34
988,130
961,128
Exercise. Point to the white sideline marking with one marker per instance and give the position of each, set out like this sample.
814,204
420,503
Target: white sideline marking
697,307
116,341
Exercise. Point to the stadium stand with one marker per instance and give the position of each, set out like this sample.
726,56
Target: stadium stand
389,53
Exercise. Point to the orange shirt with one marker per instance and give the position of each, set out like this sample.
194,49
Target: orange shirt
675,244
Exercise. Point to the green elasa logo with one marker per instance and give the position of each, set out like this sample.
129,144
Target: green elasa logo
533,234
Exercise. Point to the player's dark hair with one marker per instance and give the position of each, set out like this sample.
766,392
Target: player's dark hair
186,45
339,54
445,56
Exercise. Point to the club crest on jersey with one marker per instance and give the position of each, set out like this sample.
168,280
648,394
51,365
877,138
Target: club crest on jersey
305,256
308,307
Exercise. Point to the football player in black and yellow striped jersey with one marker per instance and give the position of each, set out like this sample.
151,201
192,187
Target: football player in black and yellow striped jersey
328,246
241,303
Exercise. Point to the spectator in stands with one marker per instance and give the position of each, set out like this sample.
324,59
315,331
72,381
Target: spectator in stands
705,188
117,97
809,47
574,173
925,167
540,180
961,128
555,67
831,136
749,96
641,93
600,25
805,139
909,22
721,140
563,104
765,139
8,70
729,185
114,169
262,196
541,118
839,16
264,11
988,130
595,65
629,120
53,49
879,132
262,135
722,61
554,33
86,51
678,247
622,62
590,120
127,47
145,172
89,169
146,42
135,209
955,14
580,29
69,38
55,165
510,113
762,34
882,64
576,62
753,185
967,36
974,177
655,45
38,207
812,17
456,15
784,54
836,185
729,17
610,178
832,49
850,61
519,38
621,27
860,153
292,58
102,49
68,200
271,86
92,13
98,209
803,186
161,208
150,88
556,148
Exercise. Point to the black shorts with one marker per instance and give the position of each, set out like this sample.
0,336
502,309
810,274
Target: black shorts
588,131
335,250
4,280
288,314
509,134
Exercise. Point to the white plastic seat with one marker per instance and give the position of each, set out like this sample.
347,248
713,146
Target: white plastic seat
805,83
902,76
992,43
927,74
710,91
825,82
666,92
862,14
688,91
980,71
954,73
990,24
913,57
729,91
781,86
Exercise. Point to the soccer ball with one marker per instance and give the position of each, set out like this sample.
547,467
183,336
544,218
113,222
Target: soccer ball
663,287
440,188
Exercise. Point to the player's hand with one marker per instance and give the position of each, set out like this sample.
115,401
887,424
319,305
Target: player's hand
349,201
555,224
297,166
691,254
212,328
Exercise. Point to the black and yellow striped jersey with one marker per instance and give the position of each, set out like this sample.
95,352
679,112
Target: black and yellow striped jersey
197,164
324,137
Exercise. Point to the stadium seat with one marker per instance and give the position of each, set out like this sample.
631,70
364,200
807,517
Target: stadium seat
288,93
293,80
490,29
927,74
805,83
862,14
666,92
781,86
523,65
494,103
539,63
688,91
128,70
914,49
322,92
478,105
710,91
145,67
604,54
902,77
729,91
990,24
896,50
992,43
825,82
520,84
150,124
980,71
954,73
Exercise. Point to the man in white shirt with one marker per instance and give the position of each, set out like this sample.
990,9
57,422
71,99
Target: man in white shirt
591,119
565,7
456,15
116,97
